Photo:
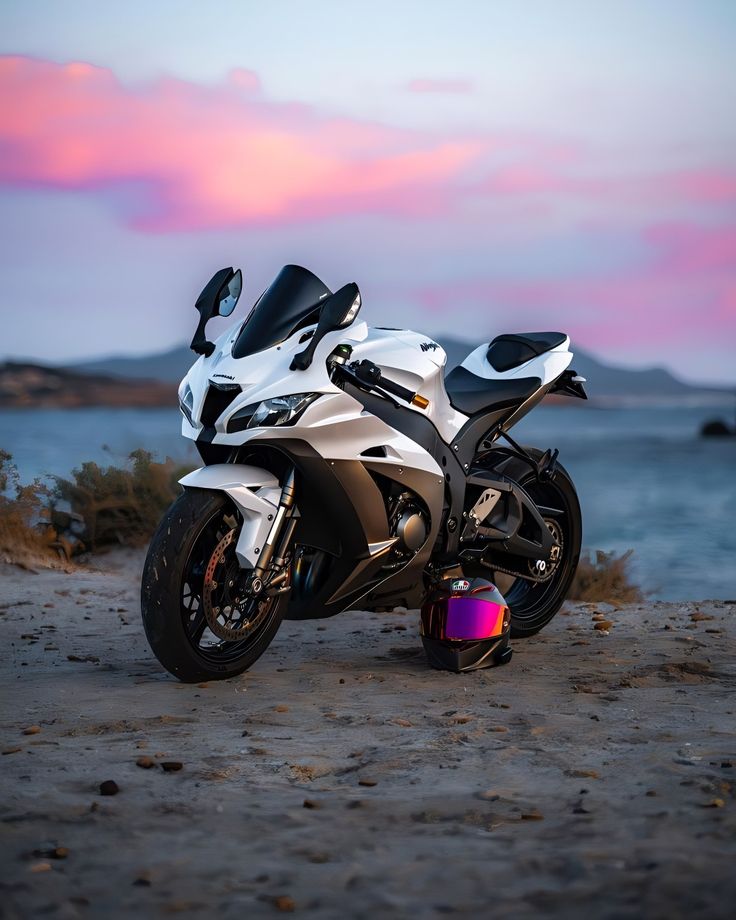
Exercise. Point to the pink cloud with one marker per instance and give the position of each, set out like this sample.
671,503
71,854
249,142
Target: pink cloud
707,186
458,87
226,156
687,290
214,156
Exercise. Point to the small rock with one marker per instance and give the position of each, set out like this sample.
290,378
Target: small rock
726,765
603,625
715,803
13,750
32,730
171,766
404,723
281,709
367,782
583,774
499,728
109,787
41,867
145,762
533,815
285,903
651,793
310,803
53,853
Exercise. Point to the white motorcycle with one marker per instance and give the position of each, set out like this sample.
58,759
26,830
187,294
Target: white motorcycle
344,470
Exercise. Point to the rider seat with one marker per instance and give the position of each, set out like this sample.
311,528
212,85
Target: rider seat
469,393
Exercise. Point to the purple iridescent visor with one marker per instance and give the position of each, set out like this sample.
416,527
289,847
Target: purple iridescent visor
464,618
473,618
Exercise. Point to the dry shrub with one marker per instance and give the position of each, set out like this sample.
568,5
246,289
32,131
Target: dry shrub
605,579
22,541
121,505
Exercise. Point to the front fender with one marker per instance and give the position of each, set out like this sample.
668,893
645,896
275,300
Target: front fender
255,493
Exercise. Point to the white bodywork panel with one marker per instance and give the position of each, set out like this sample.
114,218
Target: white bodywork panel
547,367
336,426
256,494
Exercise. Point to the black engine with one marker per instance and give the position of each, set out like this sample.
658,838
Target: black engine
408,521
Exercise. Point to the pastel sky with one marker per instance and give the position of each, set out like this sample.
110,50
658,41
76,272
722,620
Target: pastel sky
476,167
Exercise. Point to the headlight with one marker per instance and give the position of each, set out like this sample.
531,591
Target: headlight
186,405
280,410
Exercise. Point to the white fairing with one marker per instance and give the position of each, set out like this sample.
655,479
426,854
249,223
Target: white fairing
547,367
336,425
238,481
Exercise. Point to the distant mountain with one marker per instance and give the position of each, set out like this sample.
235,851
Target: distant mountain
168,365
604,380
35,386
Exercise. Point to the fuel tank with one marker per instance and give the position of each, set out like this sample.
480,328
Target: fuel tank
418,363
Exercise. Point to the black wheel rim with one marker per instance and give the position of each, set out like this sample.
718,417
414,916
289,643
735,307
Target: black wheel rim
203,641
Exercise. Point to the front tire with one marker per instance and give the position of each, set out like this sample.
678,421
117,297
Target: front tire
174,619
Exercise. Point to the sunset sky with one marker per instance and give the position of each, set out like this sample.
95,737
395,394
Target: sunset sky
476,167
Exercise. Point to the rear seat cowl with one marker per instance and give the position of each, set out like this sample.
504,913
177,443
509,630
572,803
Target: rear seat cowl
512,349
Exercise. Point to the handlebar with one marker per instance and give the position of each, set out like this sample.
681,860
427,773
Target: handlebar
369,374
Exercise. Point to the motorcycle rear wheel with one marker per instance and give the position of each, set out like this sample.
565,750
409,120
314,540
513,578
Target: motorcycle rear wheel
534,604
196,526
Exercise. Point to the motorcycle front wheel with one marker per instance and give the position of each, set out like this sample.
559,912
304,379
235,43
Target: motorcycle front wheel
199,622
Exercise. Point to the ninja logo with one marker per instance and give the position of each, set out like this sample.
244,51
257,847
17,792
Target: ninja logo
429,346
460,584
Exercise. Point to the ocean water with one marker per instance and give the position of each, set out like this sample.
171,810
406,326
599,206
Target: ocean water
646,480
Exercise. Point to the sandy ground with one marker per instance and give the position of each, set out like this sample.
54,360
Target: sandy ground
594,776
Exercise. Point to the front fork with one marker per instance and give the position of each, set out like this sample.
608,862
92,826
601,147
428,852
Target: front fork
274,552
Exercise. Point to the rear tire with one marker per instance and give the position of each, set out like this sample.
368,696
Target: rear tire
171,599
534,604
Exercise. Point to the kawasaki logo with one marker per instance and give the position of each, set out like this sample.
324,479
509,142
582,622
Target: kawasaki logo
225,376
460,584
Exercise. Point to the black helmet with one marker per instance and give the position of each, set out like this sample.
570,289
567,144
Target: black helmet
466,625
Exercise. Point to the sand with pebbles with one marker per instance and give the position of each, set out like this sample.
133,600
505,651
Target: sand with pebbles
594,776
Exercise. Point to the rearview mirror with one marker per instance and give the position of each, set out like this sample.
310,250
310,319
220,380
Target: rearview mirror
229,294
337,313
218,298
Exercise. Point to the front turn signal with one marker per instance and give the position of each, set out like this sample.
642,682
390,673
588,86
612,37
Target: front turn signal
420,401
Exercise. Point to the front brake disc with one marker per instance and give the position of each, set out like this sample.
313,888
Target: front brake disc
229,615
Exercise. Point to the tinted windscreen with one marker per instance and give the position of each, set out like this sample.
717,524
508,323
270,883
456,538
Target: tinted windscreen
293,299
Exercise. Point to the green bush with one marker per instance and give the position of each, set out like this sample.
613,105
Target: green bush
22,541
121,505
605,579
